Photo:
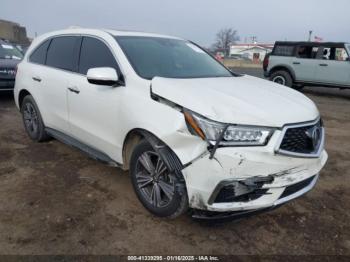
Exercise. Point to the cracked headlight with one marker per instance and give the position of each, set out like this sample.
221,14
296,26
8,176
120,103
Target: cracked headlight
228,134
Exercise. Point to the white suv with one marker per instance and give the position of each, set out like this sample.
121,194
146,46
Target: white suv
193,134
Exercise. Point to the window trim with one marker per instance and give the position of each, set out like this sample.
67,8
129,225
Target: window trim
308,46
121,73
74,58
322,47
36,48
293,53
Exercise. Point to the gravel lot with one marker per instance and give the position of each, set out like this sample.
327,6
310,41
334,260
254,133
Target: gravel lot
56,200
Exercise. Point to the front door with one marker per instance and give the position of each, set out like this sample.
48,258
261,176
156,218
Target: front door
93,109
333,66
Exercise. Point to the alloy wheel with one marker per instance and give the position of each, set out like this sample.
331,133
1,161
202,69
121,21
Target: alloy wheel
153,179
30,117
279,80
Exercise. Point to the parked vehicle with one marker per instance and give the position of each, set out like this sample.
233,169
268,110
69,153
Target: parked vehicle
296,64
191,133
10,56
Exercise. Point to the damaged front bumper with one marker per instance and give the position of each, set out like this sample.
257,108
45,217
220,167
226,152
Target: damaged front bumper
249,179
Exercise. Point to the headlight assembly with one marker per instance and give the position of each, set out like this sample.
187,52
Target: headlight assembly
227,134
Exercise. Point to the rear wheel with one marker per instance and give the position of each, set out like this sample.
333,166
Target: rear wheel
155,186
32,120
282,77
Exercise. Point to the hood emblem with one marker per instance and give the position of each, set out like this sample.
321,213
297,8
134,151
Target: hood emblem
314,134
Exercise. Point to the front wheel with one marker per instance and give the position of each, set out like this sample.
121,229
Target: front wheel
156,187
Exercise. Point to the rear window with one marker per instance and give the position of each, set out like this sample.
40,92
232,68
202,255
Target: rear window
61,52
283,50
39,54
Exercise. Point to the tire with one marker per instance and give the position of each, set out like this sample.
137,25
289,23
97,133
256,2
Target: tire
32,120
156,188
282,77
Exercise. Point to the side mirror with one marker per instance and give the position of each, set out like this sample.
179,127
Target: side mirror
105,76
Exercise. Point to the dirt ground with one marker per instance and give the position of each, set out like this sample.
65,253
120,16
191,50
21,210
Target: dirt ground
56,200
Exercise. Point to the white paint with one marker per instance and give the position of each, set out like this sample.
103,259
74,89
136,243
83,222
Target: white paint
102,116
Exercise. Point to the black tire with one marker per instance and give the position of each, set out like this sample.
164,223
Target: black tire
282,77
32,120
158,191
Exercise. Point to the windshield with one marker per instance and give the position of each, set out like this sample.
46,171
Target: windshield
8,51
171,58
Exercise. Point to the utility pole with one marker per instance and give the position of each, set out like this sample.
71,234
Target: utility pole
254,39
310,34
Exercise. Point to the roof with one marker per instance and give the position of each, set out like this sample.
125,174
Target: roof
310,43
114,32
136,33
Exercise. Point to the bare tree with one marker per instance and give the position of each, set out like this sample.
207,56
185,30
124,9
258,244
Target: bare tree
225,38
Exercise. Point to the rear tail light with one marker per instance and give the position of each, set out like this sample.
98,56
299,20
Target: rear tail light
266,62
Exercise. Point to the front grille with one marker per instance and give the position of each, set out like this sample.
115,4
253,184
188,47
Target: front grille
302,139
296,187
8,71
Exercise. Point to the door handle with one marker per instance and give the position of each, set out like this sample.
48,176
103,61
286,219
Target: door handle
323,64
296,63
36,78
74,89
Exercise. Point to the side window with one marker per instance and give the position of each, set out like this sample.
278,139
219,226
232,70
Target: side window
61,52
39,54
307,52
341,54
326,55
94,53
283,50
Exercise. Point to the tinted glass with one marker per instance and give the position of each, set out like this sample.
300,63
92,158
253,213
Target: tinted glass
94,53
8,51
39,54
307,52
172,58
61,52
283,50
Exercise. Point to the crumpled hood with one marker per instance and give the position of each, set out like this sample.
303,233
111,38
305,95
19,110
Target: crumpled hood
240,100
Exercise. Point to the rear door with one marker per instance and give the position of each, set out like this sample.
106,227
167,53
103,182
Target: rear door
304,63
61,59
333,66
94,109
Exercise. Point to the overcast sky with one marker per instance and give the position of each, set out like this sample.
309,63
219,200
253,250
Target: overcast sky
196,20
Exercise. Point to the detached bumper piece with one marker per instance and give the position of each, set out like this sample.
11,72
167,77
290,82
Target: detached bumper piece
228,216
240,191
290,192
